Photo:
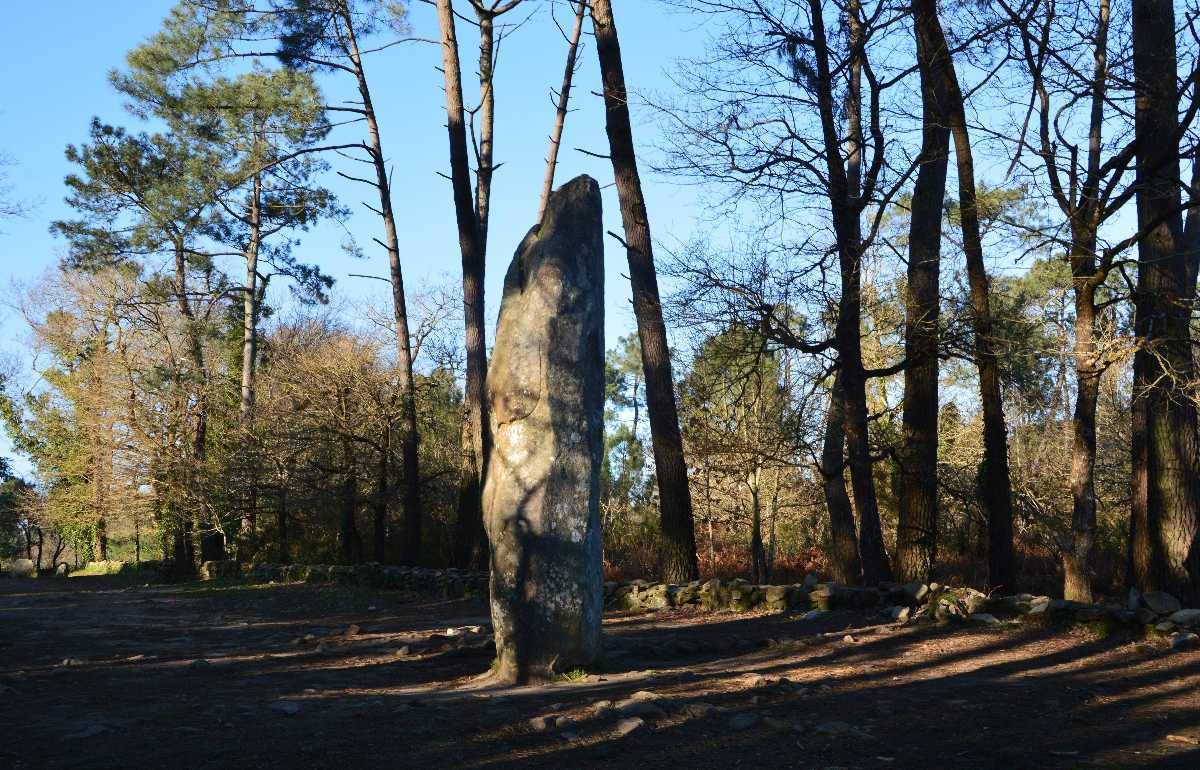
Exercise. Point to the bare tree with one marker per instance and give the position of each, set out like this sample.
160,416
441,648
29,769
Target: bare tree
560,112
471,212
678,554
1165,527
916,530
996,487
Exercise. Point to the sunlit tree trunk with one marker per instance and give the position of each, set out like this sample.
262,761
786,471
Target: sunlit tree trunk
1165,551
995,484
678,554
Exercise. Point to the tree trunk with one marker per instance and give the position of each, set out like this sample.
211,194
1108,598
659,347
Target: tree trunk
846,564
349,500
1166,549
996,487
469,546
409,437
917,527
102,540
560,112
281,524
249,361
1087,275
845,182
1077,556
678,555
212,539
250,307
382,494
757,551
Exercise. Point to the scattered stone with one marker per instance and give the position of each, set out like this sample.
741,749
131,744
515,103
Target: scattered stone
1184,640
68,662
1161,602
404,651
776,724
753,680
899,614
542,724
1187,618
849,639
62,570
200,664
602,707
816,615
839,729
645,695
569,735
985,618
353,630
744,721
629,726
90,730
289,707
637,708
1164,627
214,570
699,710
1189,740
1146,616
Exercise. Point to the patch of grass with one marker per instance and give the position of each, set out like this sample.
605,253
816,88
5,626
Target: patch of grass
1102,628
574,675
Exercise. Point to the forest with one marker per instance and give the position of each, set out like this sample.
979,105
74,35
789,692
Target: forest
930,322
876,375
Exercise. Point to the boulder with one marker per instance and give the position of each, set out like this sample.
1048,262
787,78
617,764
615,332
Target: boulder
62,570
1184,640
629,726
916,592
776,598
541,499
23,568
743,596
714,595
215,570
1161,602
1186,618
688,594
655,597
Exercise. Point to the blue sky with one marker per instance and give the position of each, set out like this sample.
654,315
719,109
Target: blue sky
58,56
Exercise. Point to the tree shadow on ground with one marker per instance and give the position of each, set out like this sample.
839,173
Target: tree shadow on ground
914,696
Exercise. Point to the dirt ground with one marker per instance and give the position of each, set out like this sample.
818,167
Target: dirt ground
96,673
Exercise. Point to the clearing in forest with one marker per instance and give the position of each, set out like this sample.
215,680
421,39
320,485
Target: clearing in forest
96,672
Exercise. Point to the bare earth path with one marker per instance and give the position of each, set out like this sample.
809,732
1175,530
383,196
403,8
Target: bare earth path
99,674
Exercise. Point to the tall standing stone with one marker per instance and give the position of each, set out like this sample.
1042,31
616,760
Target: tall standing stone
542,495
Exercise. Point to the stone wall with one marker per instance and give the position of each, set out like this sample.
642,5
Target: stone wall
450,583
1155,612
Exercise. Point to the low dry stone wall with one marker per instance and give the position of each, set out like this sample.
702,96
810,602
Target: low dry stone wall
449,583
1158,613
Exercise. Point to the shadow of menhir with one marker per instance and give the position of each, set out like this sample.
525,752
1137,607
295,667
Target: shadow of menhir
542,496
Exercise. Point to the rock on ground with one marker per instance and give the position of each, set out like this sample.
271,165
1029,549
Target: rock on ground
23,568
